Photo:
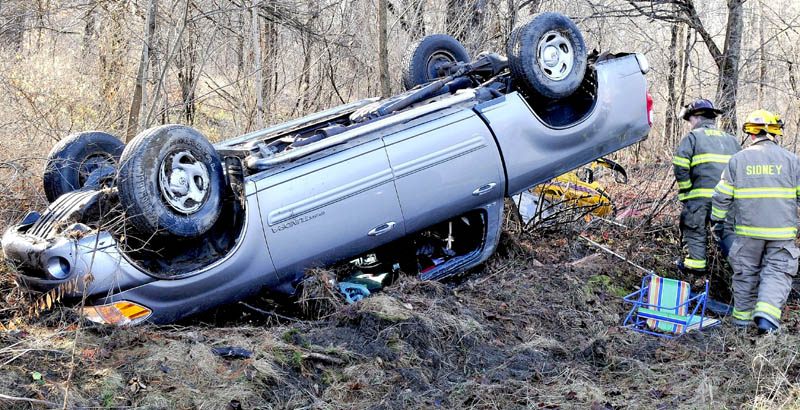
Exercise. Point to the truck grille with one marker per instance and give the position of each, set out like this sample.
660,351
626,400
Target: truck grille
58,213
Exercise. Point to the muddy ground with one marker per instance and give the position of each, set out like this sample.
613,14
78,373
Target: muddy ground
537,326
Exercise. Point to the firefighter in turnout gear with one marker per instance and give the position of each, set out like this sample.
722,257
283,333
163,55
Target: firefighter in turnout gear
701,156
761,185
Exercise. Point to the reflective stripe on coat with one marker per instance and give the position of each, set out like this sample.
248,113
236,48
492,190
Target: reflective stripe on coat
761,184
700,159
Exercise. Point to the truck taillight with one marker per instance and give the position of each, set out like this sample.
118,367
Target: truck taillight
649,108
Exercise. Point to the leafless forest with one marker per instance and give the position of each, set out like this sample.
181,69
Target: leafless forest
509,337
229,67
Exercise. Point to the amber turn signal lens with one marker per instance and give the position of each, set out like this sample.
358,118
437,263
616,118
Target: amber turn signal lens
122,313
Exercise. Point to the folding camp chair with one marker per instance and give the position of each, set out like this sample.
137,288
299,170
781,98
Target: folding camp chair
663,307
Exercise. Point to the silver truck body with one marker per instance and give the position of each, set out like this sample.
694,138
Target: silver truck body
348,194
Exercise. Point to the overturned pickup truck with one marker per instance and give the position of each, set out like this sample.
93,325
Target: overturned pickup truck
171,225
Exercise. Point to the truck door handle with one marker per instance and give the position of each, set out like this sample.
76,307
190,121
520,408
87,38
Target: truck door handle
381,229
484,189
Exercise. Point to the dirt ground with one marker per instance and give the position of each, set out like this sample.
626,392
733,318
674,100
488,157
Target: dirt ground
537,326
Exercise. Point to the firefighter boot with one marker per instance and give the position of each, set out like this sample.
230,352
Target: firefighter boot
765,326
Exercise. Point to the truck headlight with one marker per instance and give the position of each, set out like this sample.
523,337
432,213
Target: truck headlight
122,313
58,267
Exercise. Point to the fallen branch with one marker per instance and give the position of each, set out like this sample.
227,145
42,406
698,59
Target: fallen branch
23,351
647,271
322,358
585,259
35,401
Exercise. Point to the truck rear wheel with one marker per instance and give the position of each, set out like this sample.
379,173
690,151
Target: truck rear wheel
73,161
171,182
547,55
420,66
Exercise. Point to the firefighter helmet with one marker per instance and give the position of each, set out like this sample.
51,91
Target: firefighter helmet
699,106
762,120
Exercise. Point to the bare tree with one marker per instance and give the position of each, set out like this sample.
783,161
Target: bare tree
725,58
465,22
762,72
685,54
411,18
269,49
112,50
186,63
201,67
308,43
240,38
88,27
12,24
383,52
140,88
255,39
670,126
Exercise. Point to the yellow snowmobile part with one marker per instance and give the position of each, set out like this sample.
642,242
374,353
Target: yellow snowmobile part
568,190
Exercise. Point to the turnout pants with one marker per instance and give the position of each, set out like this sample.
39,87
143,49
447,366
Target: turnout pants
695,216
762,277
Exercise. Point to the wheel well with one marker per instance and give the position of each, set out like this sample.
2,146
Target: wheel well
179,257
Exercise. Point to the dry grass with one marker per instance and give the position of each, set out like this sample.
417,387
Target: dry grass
528,337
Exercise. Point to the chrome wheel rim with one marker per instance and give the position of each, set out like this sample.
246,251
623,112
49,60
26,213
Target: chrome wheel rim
555,55
184,182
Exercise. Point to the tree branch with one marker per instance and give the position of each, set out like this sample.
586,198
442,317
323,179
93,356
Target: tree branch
35,401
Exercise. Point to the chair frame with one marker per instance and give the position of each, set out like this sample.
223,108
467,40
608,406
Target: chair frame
639,324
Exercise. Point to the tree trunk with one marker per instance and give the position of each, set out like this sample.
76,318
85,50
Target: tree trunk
418,28
12,25
257,63
383,51
41,10
762,73
670,125
729,66
269,54
477,29
240,40
795,93
140,88
513,10
685,57
112,54
454,19
465,20
308,47
412,21
88,29
186,63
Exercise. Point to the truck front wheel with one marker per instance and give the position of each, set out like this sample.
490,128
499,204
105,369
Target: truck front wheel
171,182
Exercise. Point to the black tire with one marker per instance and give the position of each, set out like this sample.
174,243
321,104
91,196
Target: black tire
73,158
156,167
561,45
420,64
